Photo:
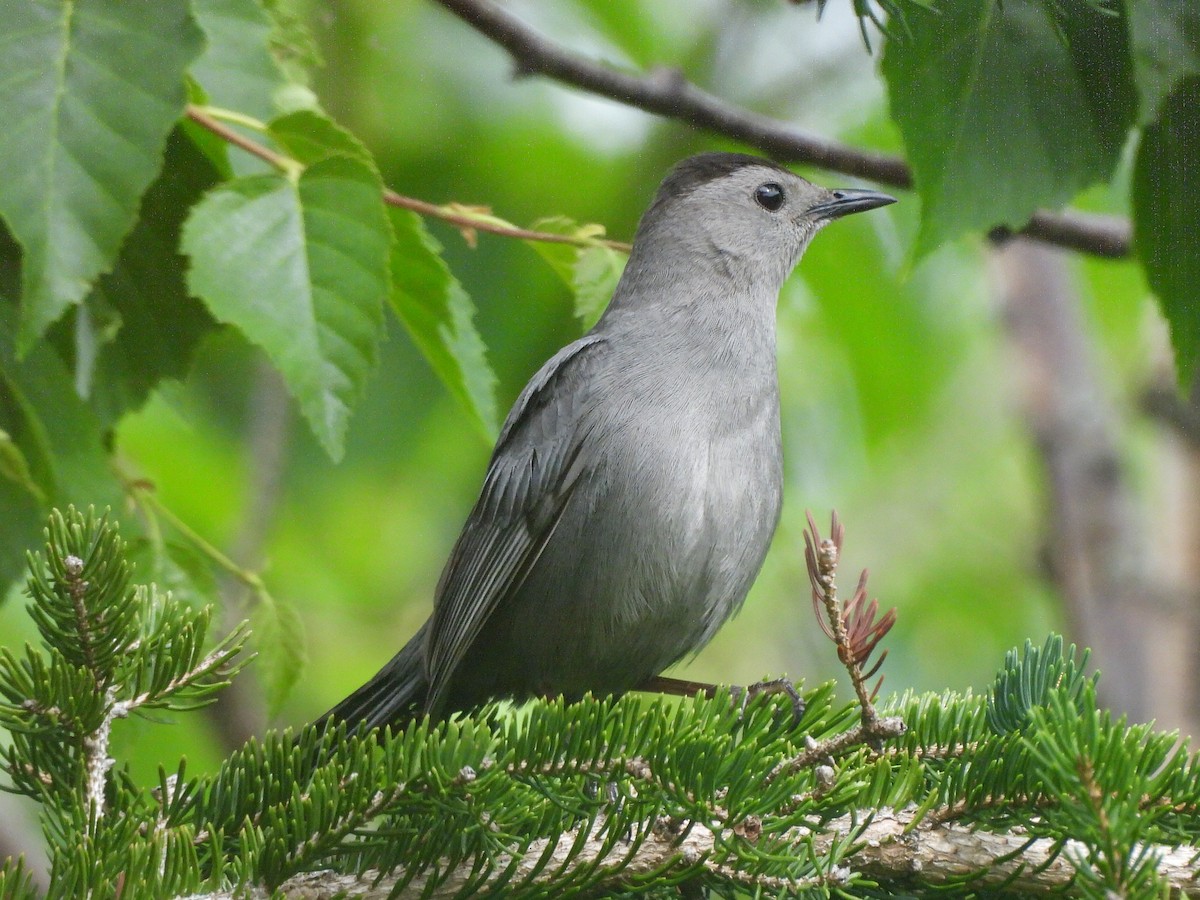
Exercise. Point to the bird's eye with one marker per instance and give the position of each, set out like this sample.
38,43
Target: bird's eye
769,196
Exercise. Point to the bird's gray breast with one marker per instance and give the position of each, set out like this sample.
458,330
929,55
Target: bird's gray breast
663,534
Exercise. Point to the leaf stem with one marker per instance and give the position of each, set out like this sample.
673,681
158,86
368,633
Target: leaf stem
465,218
232,116
146,497
204,119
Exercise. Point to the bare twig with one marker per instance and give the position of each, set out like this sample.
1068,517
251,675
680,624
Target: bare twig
854,629
852,626
467,219
668,93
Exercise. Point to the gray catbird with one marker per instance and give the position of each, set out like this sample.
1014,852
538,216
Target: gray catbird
636,483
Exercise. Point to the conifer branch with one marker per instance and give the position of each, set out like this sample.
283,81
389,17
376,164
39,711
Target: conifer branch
1027,789
97,762
893,846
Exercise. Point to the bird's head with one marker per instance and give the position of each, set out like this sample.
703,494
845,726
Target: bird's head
747,216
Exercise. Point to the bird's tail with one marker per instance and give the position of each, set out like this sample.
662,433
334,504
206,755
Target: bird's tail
395,694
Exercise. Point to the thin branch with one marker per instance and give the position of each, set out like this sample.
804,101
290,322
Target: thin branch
144,493
231,136
854,629
466,218
209,665
669,94
97,762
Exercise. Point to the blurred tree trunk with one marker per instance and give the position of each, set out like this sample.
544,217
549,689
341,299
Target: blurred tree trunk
240,710
1176,531
1097,545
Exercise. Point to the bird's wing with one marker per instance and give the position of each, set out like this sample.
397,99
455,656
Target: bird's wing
536,463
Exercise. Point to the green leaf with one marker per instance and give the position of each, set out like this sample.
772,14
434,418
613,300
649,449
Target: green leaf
159,323
91,90
23,515
1007,107
15,468
1166,41
301,267
293,45
594,278
277,634
52,449
57,434
309,136
1166,218
236,69
591,272
560,257
439,314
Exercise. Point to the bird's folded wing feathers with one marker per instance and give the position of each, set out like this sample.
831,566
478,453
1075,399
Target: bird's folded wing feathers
541,451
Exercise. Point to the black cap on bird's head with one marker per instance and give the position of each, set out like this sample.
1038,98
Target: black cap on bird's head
688,174
736,209
695,171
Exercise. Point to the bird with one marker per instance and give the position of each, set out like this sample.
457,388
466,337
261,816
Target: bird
637,481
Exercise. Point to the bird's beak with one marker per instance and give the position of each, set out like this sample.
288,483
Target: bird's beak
845,201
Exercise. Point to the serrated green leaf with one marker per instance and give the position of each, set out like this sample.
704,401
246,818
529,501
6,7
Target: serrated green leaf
591,273
560,257
91,90
596,273
15,468
60,443
301,267
310,136
277,635
1166,48
157,322
58,435
1007,107
236,69
292,42
1166,218
439,315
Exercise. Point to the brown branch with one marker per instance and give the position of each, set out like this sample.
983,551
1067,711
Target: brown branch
456,216
669,94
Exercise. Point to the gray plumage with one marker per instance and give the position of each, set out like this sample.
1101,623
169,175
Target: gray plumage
636,483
